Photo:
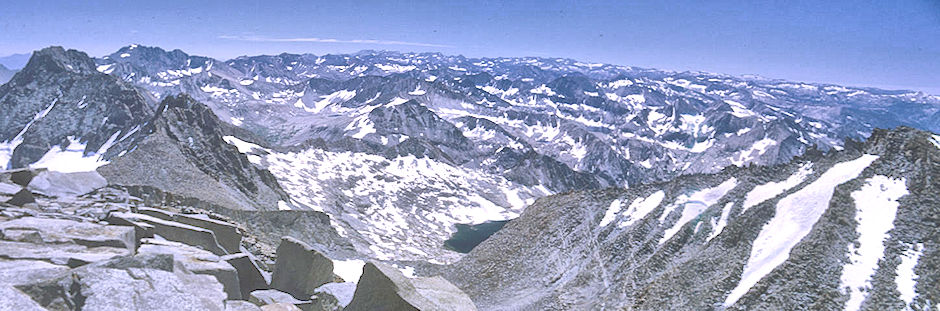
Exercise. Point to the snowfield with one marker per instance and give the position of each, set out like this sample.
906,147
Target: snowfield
795,216
371,199
770,190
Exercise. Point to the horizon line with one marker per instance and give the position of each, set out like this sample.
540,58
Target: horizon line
746,76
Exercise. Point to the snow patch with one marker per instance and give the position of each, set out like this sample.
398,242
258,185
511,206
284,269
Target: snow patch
396,101
283,206
350,270
722,221
620,83
215,91
739,110
611,213
695,204
636,98
876,205
418,91
757,149
409,272
396,68
326,100
364,126
73,159
106,69
640,207
767,191
543,90
906,277
243,146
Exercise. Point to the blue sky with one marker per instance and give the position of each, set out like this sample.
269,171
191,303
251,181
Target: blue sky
889,44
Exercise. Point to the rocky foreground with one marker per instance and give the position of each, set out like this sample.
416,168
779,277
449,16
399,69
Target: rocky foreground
69,242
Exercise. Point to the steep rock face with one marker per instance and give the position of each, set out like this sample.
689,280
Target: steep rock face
181,150
60,103
802,235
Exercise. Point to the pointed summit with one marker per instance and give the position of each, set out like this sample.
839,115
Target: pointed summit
56,59
185,139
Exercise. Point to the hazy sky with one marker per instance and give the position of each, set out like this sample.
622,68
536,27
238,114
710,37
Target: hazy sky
890,44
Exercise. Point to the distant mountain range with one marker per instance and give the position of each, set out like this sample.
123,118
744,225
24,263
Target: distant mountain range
15,61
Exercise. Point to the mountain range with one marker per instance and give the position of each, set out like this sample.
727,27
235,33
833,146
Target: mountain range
628,187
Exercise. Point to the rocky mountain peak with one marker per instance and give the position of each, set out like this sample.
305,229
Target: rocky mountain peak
192,139
56,59
413,119
135,60
184,103
148,52
59,100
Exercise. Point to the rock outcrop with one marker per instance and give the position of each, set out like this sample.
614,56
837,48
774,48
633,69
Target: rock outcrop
300,269
250,276
383,287
197,261
273,296
58,184
79,246
95,288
